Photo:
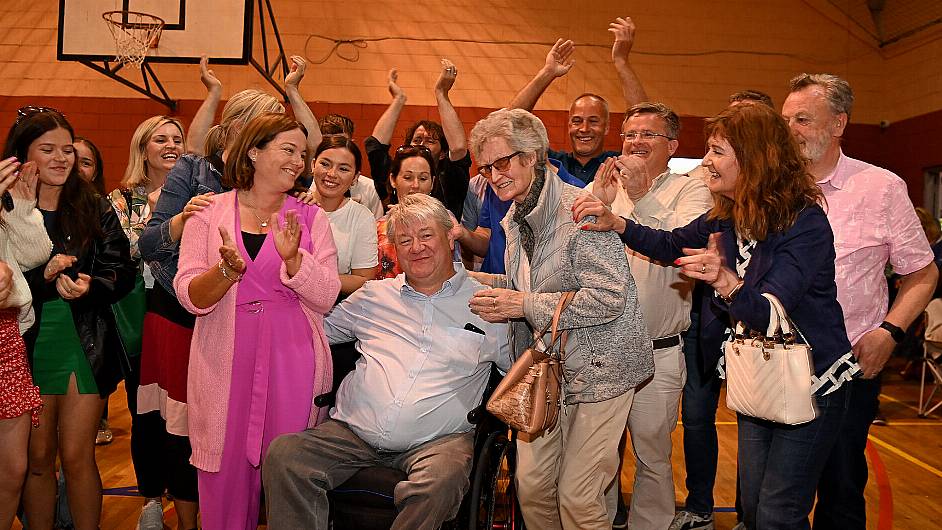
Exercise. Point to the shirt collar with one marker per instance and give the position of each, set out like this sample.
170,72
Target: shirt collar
837,178
449,288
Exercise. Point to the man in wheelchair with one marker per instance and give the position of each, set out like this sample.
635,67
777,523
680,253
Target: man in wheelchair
425,359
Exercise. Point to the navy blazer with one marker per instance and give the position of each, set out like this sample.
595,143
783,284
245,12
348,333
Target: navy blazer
797,266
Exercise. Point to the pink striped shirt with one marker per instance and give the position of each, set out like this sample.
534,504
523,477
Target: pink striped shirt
874,223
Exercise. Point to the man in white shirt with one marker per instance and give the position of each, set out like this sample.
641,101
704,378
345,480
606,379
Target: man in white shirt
425,361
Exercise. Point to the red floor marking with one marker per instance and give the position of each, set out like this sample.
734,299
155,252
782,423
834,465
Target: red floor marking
885,509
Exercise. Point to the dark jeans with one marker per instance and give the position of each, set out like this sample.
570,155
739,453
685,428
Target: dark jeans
698,412
841,503
780,465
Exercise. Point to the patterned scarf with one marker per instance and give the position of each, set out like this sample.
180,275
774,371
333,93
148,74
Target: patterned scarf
527,206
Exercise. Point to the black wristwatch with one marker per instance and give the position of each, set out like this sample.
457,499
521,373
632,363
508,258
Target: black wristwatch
895,331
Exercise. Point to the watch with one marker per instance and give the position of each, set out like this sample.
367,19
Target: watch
895,331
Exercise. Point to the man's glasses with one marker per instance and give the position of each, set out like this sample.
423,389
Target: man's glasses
501,164
25,112
644,135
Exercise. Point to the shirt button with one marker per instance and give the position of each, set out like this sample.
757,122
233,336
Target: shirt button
411,374
424,350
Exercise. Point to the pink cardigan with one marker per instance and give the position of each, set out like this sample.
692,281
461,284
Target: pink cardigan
210,371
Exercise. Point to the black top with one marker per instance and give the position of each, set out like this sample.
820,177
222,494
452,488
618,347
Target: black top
253,243
451,186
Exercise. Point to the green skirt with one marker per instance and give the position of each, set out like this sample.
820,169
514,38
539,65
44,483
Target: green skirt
58,353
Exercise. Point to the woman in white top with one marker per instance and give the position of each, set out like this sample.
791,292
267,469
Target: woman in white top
23,245
336,166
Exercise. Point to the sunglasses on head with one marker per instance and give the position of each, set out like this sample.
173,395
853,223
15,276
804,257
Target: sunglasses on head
29,110
411,150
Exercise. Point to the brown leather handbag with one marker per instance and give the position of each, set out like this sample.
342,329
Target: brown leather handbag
527,398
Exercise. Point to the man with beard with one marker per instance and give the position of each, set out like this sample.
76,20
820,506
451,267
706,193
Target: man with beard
588,115
874,224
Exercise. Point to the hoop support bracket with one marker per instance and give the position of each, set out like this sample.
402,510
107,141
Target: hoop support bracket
147,75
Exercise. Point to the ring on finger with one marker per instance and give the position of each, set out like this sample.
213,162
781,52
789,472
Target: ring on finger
703,268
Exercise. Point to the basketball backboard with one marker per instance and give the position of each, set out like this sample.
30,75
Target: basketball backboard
221,29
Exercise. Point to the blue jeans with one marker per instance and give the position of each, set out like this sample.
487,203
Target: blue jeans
779,465
841,502
698,412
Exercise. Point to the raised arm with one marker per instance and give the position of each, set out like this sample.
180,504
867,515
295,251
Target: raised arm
451,123
206,114
624,31
302,112
386,124
558,63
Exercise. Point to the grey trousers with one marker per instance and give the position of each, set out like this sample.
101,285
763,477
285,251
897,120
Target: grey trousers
301,468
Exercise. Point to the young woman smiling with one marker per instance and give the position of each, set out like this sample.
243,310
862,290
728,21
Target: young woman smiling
336,166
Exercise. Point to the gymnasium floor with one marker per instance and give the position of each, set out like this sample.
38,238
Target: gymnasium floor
902,492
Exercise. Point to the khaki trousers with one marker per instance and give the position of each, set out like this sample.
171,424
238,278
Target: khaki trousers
562,475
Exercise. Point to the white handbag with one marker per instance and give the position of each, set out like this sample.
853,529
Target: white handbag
769,377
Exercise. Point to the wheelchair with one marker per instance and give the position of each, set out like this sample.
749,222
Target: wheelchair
365,500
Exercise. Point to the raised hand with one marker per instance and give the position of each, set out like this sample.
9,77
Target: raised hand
229,253
25,186
57,264
69,289
208,77
446,79
605,184
298,67
559,59
287,236
394,89
634,176
9,173
708,264
624,31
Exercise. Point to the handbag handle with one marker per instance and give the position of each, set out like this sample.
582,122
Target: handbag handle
564,301
787,323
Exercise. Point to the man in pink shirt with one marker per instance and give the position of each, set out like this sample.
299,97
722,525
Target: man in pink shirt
874,223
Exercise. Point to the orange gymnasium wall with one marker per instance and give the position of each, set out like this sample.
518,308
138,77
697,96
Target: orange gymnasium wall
688,53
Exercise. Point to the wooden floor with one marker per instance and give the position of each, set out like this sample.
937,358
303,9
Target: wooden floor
904,491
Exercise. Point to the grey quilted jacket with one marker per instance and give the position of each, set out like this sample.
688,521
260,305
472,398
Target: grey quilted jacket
609,351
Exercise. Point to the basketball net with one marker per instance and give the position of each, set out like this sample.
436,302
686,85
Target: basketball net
134,33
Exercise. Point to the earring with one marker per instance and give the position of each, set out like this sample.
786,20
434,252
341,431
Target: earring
252,158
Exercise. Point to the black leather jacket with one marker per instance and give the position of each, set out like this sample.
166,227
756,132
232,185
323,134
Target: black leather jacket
108,261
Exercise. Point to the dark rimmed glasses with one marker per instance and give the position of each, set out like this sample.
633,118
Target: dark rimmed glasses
501,164
644,135
29,110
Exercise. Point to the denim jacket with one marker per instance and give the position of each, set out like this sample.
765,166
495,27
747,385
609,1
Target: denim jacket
191,176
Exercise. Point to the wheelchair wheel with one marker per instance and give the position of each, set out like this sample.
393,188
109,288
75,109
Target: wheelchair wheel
494,499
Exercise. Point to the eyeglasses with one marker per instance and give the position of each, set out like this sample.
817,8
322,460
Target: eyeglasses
412,150
29,110
644,135
501,164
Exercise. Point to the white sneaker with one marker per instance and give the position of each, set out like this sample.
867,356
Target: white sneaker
691,521
152,516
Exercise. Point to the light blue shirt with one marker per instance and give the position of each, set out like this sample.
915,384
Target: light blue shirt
420,372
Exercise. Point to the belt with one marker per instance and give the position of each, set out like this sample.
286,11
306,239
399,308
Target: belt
666,342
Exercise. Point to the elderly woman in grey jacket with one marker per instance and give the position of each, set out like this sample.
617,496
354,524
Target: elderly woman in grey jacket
562,475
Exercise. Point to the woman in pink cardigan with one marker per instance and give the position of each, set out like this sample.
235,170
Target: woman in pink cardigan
259,266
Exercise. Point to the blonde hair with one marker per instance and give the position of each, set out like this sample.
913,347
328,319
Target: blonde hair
239,110
136,172
417,208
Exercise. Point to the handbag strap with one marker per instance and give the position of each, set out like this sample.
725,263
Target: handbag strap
553,324
787,323
774,322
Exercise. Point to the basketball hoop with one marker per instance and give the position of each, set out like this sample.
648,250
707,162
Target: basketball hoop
134,33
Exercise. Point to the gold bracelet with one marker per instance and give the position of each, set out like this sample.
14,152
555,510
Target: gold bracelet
732,293
225,274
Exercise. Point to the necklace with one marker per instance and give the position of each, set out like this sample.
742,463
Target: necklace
262,223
